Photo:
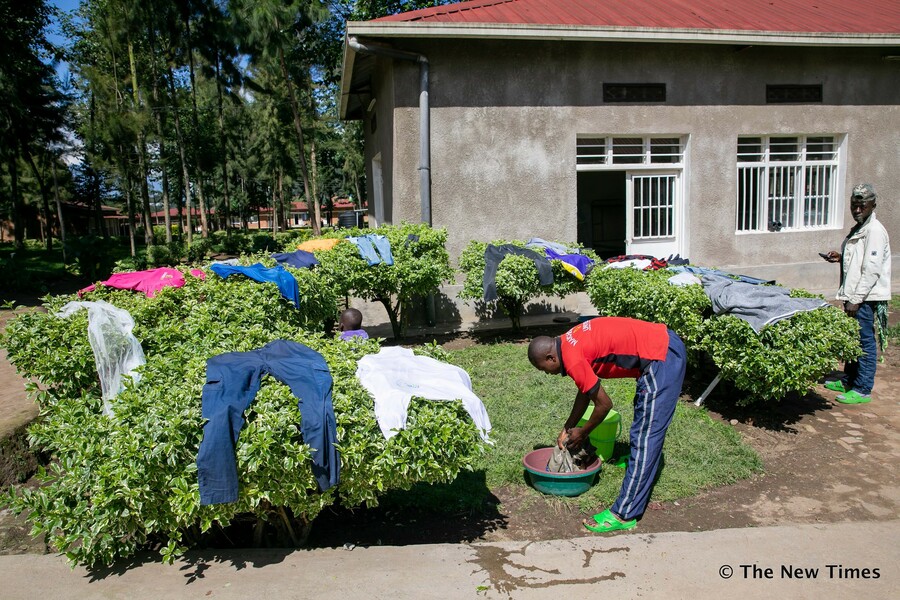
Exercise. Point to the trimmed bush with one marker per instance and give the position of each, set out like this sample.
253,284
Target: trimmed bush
118,485
788,356
649,296
420,267
517,279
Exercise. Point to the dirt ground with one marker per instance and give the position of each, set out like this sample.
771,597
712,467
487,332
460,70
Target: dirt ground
824,462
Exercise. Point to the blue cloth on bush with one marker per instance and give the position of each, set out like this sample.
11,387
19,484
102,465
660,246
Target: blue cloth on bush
580,262
759,305
494,255
286,283
675,260
373,248
232,381
299,259
537,243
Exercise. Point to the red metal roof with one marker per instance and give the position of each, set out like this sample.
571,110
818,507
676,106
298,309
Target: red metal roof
798,16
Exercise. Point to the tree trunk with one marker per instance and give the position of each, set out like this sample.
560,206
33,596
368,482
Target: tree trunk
392,315
59,213
298,127
204,226
285,205
129,202
45,201
18,206
95,177
226,199
314,170
274,209
186,178
160,125
142,152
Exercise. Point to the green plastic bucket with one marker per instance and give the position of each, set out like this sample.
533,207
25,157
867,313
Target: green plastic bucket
604,436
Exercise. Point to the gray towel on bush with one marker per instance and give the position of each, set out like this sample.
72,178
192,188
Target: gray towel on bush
759,305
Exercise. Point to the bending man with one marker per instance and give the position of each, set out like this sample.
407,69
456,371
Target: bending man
618,347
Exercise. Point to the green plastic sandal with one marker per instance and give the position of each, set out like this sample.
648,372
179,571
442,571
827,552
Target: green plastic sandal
835,386
607,522
853,397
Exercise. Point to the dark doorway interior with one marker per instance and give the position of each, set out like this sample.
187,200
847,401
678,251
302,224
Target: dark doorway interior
601,212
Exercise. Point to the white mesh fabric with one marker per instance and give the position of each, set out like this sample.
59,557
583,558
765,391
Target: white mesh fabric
116,351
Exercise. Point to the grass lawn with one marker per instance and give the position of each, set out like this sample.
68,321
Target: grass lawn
31,268
527,410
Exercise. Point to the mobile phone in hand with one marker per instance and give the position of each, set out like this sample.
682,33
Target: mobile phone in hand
824,255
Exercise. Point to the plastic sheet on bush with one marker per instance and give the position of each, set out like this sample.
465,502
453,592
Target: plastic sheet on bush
116,351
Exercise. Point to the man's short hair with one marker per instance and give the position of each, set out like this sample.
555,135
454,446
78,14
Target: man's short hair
539,347
864,191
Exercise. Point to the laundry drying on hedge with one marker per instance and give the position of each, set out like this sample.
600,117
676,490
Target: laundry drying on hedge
286,283
148,282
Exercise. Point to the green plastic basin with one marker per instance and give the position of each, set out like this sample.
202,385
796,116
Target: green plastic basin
558,484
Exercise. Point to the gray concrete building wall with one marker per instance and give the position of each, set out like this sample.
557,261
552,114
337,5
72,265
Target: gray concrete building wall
506,116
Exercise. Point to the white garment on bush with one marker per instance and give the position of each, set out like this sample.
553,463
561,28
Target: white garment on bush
635,263
683,279
116,351
395,375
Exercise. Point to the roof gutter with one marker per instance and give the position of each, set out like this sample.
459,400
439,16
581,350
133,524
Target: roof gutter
424,117
520,31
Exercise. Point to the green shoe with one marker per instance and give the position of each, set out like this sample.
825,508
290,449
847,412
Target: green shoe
853,397
607,522
835,386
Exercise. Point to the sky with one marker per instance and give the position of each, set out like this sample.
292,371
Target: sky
54,34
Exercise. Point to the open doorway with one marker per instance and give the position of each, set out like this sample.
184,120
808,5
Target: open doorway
602,211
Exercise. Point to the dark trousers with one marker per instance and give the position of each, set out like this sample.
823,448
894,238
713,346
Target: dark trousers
861,372
494,255
655,400
232,381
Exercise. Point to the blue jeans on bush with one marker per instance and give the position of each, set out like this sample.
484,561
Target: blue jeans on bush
860,374
232,380
374,248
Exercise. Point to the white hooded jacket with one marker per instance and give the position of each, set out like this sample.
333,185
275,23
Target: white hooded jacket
866,264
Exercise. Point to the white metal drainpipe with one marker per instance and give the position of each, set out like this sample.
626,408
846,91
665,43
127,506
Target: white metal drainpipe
424,117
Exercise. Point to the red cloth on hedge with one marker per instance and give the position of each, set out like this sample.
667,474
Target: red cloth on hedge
148,282
655,263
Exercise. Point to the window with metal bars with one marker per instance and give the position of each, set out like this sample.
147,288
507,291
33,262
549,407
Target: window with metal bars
654,206
648,151
786,182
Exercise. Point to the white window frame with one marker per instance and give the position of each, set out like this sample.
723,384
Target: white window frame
613,153
664,215
755,177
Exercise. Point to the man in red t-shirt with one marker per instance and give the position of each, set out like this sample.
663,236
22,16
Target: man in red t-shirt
617,347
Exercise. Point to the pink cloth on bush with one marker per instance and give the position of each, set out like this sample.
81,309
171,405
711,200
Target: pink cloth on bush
149,282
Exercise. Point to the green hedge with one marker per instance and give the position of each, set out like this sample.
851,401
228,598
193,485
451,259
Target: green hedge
517,279
787,356
420,267
118,485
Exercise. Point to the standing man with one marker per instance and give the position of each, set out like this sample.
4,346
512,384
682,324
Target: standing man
618,347
865,290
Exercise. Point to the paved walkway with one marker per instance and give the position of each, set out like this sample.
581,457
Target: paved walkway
844,560
15,407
